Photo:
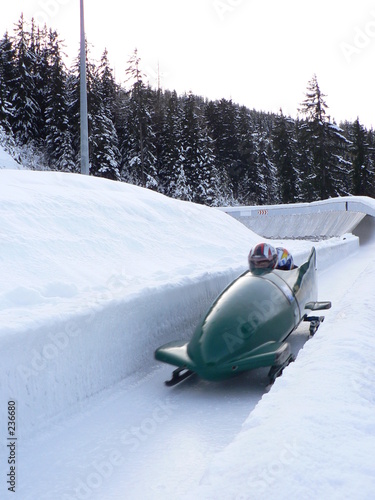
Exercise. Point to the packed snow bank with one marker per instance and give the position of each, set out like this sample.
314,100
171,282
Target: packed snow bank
6,161
73,242
313,435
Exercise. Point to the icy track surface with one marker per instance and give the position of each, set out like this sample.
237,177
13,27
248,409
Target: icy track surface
95,276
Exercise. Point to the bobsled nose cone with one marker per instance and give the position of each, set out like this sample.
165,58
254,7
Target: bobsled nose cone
214,346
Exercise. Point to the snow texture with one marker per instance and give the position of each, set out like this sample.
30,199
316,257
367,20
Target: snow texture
6,161
95,275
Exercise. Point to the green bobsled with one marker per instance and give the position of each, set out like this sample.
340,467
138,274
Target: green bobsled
248,324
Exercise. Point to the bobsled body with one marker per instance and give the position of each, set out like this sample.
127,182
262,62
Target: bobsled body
247,325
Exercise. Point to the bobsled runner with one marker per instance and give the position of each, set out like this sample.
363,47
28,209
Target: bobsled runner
248,325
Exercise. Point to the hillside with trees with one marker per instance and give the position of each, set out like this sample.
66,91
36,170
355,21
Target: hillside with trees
185,146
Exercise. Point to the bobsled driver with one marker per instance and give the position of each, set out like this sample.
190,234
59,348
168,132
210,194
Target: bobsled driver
265,256
262,256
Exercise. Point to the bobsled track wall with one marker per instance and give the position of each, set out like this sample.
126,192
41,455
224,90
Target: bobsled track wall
71,358
67,360
313,221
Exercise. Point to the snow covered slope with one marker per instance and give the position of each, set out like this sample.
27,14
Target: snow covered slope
68,240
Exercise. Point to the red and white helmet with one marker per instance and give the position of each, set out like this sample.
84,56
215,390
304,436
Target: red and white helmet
262,256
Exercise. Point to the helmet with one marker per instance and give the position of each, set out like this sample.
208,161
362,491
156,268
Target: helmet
285,259
262,256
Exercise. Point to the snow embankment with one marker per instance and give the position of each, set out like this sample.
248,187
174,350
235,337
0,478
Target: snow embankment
313,435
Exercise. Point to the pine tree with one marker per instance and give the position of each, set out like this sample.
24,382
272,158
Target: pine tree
308,183
107,86
105,154
371,156
59,141
39,47
180,188
157,126
208,189
314,108
361,172
198,159
72,99
244,175
171,173
262,178
284,158
24,121
139,150
223,122
7,81
338,165
326,144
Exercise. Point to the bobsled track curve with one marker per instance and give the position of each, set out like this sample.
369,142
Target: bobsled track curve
120,433
313,221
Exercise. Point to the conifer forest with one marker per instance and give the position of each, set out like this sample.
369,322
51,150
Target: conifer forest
184,146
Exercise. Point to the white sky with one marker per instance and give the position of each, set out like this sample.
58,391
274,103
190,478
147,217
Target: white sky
259,53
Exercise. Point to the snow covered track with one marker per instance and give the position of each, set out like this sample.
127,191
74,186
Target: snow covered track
95,278
73,356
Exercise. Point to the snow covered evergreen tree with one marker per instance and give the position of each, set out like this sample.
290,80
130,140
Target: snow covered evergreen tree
250,179
326,143
105,154
261,178
223,122
7,80
314,135
362,172
59,141
198,158
40,47
284,158
371,159
338,163
173,180
139,155
308,184
24,121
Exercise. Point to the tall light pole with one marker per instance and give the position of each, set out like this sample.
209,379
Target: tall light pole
83,100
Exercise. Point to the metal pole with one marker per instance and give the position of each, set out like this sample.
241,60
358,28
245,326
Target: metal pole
83,100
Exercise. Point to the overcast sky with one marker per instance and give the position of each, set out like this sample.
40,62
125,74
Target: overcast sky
260,53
